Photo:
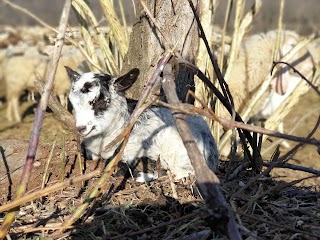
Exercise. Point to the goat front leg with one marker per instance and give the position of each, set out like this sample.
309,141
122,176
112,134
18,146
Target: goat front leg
9,110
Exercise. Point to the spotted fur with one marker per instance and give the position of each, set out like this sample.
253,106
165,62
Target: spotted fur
101,113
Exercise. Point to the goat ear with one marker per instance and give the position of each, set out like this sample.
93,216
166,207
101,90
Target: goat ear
124,82
73,75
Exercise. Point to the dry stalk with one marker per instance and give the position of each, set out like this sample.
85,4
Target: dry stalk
60,112
296,168
115,26
47,190
241,25
226,97
279,33
216,128
228,123
236,37
99,187
83,11
202,56
45,174
109,60
34,140
124,20
275,161
224,32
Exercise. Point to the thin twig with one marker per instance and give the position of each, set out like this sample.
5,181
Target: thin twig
295,167
228,123
300,74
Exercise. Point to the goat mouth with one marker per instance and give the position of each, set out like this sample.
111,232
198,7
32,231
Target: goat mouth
86,134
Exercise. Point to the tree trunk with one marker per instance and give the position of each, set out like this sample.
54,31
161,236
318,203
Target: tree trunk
176,20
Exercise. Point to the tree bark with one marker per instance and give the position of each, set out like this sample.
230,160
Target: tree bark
146,45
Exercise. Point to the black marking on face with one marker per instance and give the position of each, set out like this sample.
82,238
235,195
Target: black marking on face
87,86
104,80
102,102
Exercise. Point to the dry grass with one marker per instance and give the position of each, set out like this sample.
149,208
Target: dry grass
266,209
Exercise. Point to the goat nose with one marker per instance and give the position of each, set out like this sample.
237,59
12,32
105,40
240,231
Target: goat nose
81,129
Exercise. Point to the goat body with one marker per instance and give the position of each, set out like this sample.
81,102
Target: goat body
101,113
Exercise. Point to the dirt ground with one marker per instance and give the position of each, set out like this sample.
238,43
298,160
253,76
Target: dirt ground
149,211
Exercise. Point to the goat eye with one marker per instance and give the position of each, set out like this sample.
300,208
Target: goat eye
86,87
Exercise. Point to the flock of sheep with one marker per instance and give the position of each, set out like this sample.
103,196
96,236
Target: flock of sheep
25,63
22,64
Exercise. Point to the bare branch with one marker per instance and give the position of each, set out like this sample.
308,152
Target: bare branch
60,112
208,182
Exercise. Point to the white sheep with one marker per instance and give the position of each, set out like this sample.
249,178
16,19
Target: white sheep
101,114
285,81
22,70
253,65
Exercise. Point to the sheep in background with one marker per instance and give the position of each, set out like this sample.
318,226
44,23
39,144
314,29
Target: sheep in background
283,87
285,82
22,70
253,65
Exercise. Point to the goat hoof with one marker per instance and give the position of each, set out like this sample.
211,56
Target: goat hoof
146,177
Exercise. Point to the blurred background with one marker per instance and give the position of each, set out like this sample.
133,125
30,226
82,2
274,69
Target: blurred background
301,16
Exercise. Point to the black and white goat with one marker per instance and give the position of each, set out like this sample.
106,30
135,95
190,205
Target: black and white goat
101,113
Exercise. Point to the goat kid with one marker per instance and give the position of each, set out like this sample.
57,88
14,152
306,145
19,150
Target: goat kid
101,113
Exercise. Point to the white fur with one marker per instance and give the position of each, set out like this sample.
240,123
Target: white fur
153,136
